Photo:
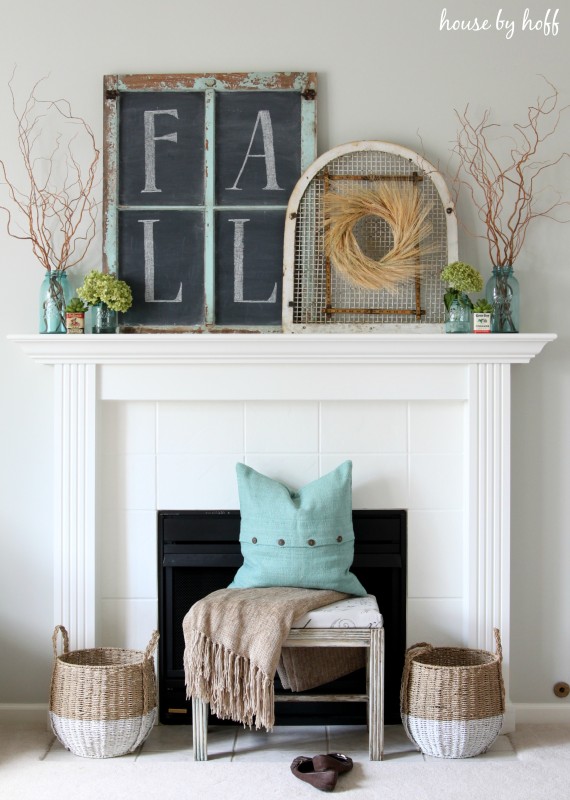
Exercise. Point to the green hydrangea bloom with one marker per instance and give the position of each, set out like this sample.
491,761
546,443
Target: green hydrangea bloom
462,277
100,287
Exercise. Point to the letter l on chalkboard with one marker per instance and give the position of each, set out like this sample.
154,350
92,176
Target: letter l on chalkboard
149,297
239,245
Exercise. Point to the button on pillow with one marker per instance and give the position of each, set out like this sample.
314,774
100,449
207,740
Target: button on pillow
299,538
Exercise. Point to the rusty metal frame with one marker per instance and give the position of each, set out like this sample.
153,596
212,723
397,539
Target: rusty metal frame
329,309
304,83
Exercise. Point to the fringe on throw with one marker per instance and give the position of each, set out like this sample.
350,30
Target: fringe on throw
234,687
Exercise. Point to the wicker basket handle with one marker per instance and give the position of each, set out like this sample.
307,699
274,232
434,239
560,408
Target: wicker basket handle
65,637
151,646
412,651
420,646
498,646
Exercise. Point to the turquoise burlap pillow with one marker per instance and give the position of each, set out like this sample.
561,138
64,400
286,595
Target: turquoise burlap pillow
303,538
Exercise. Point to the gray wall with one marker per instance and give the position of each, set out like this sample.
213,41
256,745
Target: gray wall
386,72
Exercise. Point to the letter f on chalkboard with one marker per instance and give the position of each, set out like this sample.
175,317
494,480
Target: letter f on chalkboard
150,147
263,117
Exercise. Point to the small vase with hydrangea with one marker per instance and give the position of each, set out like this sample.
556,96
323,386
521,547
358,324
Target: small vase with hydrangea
461,278
107,295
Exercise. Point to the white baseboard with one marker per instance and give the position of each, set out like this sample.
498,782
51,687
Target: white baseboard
23,712
542,713
509,719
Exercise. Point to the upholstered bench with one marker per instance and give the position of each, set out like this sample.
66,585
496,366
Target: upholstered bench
355,622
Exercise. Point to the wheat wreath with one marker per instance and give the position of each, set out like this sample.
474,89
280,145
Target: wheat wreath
400,206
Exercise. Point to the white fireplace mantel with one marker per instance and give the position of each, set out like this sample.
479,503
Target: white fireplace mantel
89,370
434,348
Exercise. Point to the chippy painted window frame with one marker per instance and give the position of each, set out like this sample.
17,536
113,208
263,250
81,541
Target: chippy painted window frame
211,85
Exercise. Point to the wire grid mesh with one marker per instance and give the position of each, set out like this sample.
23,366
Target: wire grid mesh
374,236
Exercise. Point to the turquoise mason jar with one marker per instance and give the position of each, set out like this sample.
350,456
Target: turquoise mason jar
55,294
503,292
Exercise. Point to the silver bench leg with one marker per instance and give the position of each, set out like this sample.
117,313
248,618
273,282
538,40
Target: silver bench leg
376,694
200,729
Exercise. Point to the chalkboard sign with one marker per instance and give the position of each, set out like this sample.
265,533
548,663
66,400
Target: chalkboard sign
198,174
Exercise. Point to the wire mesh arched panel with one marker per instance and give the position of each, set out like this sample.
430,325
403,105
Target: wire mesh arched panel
316,295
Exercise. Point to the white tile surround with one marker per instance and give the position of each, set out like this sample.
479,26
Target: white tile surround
158,422
184,458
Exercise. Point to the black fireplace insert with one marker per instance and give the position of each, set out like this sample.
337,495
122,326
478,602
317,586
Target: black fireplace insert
199,552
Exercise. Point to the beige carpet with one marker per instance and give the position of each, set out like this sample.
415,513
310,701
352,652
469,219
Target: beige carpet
531,764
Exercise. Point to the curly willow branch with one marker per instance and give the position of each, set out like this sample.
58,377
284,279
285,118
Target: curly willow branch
401,207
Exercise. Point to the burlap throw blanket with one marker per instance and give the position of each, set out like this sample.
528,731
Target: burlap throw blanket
233,640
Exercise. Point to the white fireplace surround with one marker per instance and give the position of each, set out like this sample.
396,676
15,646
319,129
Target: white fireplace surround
473,370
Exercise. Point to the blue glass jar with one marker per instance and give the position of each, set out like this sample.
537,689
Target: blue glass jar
458,315
503,292
55,294
104,319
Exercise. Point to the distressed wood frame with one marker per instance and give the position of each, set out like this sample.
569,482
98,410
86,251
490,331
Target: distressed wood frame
303,83
371,638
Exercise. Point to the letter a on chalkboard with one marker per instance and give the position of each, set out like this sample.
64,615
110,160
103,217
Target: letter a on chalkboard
263,118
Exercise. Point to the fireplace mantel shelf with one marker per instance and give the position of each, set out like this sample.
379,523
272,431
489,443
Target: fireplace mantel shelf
379,348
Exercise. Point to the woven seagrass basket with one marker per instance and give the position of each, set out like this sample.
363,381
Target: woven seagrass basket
452,699
102,701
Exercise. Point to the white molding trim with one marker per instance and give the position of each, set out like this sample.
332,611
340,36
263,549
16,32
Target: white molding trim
542,713
488,491
14,713
397,348
75,409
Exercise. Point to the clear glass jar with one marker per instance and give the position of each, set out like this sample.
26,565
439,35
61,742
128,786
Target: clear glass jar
104,319
458,315
503,292
55,294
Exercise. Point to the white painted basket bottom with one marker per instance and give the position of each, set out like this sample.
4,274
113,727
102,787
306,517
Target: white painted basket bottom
453,739
102,738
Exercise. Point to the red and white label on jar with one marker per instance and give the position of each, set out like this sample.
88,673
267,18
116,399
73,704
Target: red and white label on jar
481,322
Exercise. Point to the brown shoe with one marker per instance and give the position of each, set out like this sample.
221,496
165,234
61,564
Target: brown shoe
335,761
303,768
